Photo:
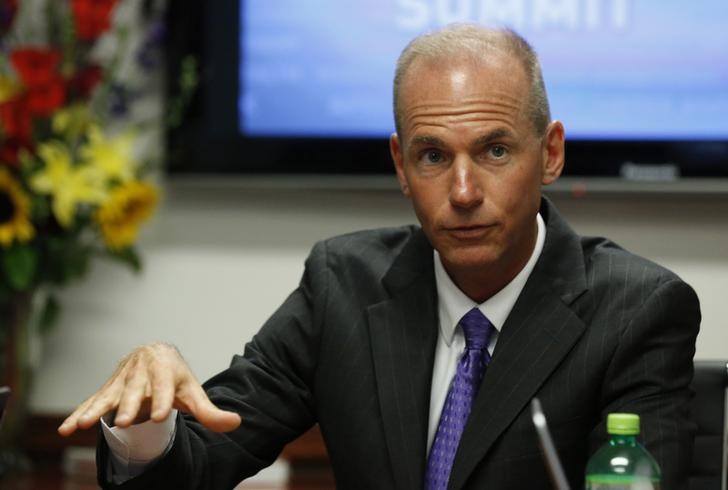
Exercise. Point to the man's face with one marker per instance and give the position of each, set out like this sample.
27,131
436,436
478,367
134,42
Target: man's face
472,163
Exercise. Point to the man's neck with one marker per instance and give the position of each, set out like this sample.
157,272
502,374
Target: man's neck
480,283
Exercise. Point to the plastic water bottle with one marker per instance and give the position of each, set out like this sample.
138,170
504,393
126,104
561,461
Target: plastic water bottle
622,463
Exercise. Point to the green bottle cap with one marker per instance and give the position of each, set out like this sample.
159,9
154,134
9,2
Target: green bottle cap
623,424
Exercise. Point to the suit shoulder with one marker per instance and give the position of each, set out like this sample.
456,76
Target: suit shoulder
373,250
607,260
387,241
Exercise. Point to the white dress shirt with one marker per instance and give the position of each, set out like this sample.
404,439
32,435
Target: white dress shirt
134,448
452,305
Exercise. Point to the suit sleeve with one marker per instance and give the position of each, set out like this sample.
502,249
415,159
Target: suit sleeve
650,375
269,386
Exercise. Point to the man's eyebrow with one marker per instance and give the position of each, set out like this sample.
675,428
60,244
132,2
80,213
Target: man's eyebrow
426,140
482,140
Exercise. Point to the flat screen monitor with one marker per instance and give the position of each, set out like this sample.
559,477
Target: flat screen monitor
288,86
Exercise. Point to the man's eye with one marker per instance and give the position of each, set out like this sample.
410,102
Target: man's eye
432,156
498,151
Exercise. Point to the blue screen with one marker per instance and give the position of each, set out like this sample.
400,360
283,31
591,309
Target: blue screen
614,69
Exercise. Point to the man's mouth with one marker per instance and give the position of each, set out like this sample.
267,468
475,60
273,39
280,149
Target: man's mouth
470,232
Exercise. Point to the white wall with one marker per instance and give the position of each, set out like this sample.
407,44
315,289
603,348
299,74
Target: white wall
220,258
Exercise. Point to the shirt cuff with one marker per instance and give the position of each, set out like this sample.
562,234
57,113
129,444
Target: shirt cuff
133,449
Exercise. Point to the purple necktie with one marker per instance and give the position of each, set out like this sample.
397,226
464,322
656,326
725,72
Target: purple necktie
471,367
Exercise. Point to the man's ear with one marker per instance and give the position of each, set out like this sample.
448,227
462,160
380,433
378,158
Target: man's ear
553,153
395,149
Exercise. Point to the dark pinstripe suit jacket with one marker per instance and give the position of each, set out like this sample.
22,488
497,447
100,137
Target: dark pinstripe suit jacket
595,330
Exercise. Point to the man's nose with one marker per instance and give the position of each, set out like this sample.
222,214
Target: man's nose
465,189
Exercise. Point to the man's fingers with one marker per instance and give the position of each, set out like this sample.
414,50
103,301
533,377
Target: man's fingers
218,420
100,404
70,425
149,382
136,390
103,401
200,406
223,421
91,410
163,390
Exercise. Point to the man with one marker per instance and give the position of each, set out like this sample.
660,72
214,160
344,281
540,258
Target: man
372,346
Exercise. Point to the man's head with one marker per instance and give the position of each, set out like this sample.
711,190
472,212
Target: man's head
476,42
473,147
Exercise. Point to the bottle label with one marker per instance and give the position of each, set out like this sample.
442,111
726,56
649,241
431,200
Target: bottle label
632,484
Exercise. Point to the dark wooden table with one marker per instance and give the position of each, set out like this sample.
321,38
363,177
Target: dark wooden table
49,478
46,477
307,457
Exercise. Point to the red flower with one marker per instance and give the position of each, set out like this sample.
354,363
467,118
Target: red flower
91,17
36,66
44,99
83,82
10,148
16,119
38,69
17,128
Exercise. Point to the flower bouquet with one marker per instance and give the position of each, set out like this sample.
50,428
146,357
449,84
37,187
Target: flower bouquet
72,179
72,184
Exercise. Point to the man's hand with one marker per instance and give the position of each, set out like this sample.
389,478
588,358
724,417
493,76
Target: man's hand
148,383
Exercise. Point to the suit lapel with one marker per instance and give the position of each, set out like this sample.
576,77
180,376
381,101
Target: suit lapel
538,334
403,331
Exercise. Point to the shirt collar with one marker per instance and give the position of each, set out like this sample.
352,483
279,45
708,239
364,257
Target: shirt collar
453,303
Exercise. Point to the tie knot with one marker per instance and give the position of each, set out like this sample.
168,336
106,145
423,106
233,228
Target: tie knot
477,329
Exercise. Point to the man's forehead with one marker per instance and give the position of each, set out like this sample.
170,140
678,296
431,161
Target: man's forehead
463,87
464,77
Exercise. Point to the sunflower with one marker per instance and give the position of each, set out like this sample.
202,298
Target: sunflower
14,206
128,206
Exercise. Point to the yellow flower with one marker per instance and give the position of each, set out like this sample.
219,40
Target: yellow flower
112,155
9,88
128,206
14,208
69,185
72,121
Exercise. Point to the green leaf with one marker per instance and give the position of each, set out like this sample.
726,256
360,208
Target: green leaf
20,264
65,259
50,313
77,261
40,207
128,256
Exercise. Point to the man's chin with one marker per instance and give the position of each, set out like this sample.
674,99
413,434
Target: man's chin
474,257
